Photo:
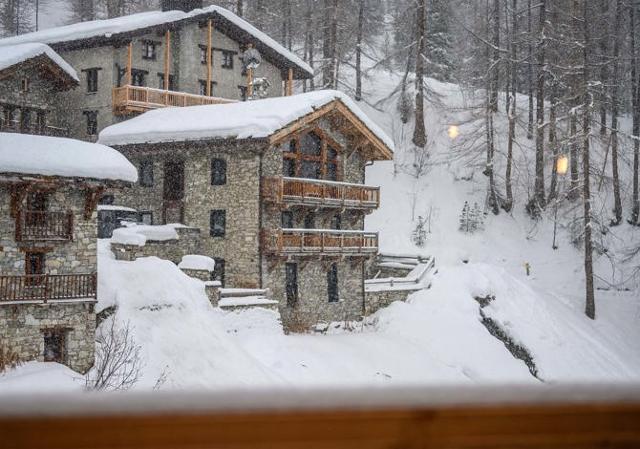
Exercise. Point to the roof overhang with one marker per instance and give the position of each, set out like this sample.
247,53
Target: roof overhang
7,178
49,69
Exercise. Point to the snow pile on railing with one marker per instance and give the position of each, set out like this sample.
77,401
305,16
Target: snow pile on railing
418,278
139,234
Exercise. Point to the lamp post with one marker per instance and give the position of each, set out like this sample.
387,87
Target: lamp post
562,164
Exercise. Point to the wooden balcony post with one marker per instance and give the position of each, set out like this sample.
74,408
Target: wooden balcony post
209,58
290,82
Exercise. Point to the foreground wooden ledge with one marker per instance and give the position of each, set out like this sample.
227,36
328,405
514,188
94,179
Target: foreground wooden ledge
505,417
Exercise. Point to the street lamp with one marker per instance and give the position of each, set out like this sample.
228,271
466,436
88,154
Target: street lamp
453,132
562,164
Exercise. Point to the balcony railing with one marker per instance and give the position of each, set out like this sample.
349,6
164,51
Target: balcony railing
129,99
15,126
301,242
47,287
39,226
320,193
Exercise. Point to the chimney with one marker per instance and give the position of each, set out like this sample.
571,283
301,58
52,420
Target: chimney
181,5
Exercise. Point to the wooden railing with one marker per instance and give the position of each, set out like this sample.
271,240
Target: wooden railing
319,242
47,287
313,192
36,225
14,126
442,417
128,99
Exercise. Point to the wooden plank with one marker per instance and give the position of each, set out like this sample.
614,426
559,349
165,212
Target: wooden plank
290,82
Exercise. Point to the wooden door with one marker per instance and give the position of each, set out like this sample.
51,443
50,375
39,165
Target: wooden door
173,192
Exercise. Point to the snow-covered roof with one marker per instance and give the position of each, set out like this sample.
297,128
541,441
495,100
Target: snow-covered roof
138,235
15,54
56,156
242,120
109,28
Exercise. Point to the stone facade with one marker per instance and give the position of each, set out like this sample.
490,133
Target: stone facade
188,242
23,326
376,300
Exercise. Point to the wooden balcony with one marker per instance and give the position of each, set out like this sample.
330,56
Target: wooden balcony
47,287
319,242
136,99
14,126
319,193
44,226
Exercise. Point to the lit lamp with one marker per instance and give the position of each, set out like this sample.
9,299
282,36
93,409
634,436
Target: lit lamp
562,165
453,132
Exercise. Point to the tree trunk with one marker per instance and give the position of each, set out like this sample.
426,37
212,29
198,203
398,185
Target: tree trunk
508,203
330,30
359,51
529,71
553,114
604,72
239,8
539,188
635,88
617,208
495,75
419,132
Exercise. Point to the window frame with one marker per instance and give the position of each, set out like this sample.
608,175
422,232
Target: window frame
202,86
299,158
172,86
292,295
222,179
286,216
92,122
92,79
226,62
217,214
153,45
219,270
333,288
142,180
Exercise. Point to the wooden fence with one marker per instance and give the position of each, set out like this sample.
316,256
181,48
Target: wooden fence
317,192
319,241
129,99
36,225
47,287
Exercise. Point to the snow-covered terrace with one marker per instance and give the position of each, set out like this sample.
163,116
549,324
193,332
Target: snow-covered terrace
142,22
23,154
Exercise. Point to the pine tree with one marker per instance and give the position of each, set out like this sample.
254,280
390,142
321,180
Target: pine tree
440,63
419,236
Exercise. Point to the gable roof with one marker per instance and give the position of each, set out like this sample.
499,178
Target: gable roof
18,54
27,154
96,32
272,118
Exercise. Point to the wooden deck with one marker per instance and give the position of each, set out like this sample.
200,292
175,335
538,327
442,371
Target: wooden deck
303,242
47,287
285,191
136,99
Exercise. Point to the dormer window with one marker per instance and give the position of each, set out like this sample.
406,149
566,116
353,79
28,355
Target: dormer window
149,49
311,155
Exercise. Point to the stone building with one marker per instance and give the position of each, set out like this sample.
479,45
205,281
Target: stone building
179,56
276,187
49,188
32,78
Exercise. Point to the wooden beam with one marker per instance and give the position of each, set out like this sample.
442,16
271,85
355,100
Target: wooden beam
92,196
290,82
18,194
129,62
304,121
167,58
249,83
209,58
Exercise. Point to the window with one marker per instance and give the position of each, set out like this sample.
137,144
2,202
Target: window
106,199
218,172
291,283
92,80
336,222
149,49
311,156
54,345
332,283
145,173
287,219
203,54
310,221
217,223
25,119
161,81
227,59
203,87
24,84
138,77
92,122
146,217
218,270
41,118
34,268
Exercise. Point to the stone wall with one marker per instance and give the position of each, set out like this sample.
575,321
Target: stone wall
376,300
188,242
22,328
313,305
61,257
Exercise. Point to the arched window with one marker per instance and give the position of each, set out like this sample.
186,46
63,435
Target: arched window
311,155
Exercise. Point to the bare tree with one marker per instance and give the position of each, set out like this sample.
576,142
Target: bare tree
419,132
615,107
118,361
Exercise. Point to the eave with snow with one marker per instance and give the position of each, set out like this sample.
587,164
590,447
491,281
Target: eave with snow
40,57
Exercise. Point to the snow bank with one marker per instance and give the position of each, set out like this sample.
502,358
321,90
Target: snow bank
139,234
197,262
56,156
38,378
18,53
115,26
242,120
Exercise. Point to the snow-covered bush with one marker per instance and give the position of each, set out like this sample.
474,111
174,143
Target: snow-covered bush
419,234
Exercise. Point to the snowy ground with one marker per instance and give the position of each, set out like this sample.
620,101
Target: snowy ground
435,337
